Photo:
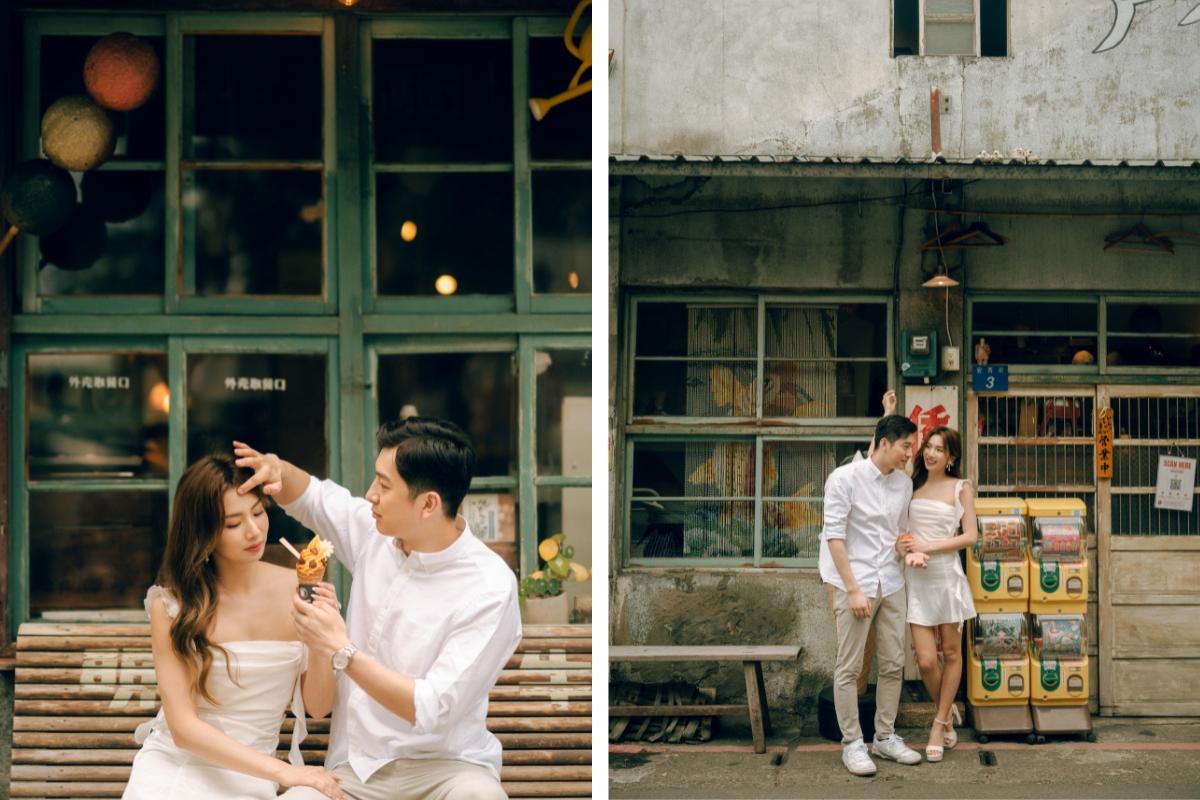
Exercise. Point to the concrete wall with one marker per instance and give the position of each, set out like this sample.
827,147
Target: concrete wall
816,78
789,235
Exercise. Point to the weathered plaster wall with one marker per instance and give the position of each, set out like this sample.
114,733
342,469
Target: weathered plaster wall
816,78
6,718
728,607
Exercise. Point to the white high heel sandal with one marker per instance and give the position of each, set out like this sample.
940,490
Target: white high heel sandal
933,753
952,737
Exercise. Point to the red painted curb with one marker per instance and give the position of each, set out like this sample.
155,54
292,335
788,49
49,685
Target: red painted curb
629,749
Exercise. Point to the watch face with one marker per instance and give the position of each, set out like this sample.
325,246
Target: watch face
341,659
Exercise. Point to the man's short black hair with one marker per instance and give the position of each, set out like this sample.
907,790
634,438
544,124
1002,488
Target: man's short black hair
432,455
894,427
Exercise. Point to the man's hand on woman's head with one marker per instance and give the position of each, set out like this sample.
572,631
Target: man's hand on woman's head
268,469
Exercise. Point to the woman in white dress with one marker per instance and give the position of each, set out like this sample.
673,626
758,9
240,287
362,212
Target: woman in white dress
939,597
226,655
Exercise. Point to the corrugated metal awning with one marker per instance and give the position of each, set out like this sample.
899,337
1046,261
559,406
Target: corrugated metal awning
895,168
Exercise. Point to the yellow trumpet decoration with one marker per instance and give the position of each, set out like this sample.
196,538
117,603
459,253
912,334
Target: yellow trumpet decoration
540,106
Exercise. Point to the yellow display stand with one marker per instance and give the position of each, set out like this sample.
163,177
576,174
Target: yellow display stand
999,678
1059,662
1058,555
998,573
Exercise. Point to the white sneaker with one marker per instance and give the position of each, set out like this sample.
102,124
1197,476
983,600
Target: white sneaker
895,749
854,756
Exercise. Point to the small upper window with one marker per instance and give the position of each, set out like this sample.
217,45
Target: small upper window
950,28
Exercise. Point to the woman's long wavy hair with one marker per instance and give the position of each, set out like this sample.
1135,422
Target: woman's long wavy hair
953,444
187,571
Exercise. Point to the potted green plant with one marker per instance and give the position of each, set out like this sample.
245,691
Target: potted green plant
541,593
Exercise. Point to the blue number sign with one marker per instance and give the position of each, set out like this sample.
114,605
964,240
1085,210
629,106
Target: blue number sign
992,378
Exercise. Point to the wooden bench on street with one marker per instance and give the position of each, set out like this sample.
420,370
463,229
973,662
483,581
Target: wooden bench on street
82,687
751,658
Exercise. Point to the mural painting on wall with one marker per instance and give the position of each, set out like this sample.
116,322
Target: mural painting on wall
1125,11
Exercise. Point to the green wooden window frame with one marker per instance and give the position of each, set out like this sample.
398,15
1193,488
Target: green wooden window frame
524,349
683,429
347,324
1101,371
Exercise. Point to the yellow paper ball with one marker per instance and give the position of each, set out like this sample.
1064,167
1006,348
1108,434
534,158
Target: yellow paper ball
77,134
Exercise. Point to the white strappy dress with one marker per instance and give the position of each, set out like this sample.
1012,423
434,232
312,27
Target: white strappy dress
939,593
269,676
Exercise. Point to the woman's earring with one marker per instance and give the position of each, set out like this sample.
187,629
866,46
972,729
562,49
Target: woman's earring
949,466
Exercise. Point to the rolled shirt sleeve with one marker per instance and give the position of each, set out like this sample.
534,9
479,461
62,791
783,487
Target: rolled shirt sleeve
837,506
470,662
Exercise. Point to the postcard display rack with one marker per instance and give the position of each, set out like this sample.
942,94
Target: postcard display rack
1058,601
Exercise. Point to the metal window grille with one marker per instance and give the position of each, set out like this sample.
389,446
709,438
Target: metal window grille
1145,428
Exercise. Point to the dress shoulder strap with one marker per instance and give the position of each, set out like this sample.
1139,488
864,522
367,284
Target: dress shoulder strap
958,487
169,601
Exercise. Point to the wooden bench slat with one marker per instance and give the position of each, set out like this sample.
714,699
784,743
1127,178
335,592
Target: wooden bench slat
47,756
530,709
55,789
90,772
559,773
546,788
538,661
44,643
86,676
141,705
51,724
544,741
531,757
552,631
135,659
555,646
704,653
85,629
102,691
532,677
560,692
523,724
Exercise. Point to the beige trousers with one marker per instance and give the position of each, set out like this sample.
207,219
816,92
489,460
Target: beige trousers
412,779
888,615
864,675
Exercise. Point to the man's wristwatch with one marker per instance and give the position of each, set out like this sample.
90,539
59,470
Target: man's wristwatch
341,659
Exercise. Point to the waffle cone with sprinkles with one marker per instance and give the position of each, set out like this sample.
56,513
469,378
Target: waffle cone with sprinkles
311,568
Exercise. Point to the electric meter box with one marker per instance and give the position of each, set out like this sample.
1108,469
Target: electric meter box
998,568
1058,555
918,356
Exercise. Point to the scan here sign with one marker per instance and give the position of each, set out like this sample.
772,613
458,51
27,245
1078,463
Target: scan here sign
1176,482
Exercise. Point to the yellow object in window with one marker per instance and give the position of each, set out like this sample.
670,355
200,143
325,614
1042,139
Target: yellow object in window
540,106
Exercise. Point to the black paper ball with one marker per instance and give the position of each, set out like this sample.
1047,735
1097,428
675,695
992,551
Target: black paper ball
38,197
78,244
118,196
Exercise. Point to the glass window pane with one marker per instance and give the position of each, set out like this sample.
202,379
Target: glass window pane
275,403
1029,349
1154,352
565,132
693,469
256,97
114,245
439,101
568,511
949,38
141,133
564,414
492,516
691,529
856,330
1151,318
255,233
444,234
562,232
97,415
94,549
797,471
1018,316
476,391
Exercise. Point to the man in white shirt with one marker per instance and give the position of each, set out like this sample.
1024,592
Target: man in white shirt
432,618
866,508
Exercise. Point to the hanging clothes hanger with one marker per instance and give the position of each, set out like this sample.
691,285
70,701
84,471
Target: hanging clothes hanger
1149,241
974,236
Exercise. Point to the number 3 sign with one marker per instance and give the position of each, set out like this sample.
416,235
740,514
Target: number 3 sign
989,378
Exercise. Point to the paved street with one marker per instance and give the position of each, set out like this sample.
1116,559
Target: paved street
1134,758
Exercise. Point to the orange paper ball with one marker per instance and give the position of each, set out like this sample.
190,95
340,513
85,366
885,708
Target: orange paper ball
121,71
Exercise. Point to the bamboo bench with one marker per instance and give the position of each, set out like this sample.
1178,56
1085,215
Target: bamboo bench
83,687
751,658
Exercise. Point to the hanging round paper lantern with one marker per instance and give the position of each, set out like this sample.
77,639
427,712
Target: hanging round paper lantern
38,197
121,71
78,244
118,196
77,134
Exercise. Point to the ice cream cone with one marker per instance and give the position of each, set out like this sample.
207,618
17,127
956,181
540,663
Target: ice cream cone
309,578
